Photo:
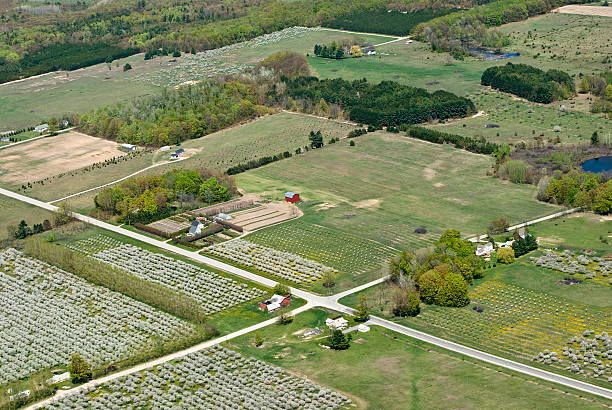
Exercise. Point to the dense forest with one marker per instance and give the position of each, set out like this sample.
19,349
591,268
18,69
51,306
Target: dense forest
62,56
466,29
385,21
529,82
386,103
176,114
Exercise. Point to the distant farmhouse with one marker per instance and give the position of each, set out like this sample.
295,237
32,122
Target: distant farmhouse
41,128
292,197
274,303
196,228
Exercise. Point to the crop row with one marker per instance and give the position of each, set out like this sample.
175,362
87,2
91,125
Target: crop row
209,63
282,264
49,314
595,268
215,292
215,378
339,250
588,356
517,321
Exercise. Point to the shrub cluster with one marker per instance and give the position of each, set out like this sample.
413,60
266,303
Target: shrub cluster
529,82
524,245
256,163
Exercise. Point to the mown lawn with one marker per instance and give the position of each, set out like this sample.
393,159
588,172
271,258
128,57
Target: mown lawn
390,371
581,231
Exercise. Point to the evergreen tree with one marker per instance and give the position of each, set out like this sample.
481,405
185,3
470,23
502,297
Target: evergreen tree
338,341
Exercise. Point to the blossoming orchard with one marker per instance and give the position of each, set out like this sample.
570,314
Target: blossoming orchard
282,264
216,378
215,292
49,314
594,268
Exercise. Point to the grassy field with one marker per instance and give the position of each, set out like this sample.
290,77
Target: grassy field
36,99
363,203
584,230
390,371
12,212
388,185
523,121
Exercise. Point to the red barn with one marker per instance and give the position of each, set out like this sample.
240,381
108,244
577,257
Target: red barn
292,197
274,303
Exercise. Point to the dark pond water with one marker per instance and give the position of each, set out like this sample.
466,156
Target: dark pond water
601,164
493,55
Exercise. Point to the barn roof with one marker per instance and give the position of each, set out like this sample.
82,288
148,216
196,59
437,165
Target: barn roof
290,194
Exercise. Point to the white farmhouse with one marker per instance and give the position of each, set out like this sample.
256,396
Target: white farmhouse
41,128
337,324
484,249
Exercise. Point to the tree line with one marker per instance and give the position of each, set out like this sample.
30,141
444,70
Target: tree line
479,146
577,189
387,103
529,82
63,56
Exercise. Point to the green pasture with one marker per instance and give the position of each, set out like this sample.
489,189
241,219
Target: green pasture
582,231
391,371
505,119
13,211
388,185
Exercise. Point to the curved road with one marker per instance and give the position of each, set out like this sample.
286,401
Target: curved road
329,302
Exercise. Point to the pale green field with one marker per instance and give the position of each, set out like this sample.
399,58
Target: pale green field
12,212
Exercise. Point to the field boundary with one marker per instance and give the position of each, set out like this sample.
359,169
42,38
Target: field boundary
36,138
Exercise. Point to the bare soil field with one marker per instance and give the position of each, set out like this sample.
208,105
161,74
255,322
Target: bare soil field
585,10
265,215
54,155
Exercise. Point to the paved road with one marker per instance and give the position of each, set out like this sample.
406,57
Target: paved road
331,302
534,221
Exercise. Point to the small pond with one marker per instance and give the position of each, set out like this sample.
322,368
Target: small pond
601,164
493,55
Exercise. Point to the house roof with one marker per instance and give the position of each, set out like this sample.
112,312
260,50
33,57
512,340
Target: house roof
274,302
195,225
290,194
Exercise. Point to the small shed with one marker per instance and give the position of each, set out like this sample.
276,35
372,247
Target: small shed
195,228
58,378
292,197
274,303
165,148
41,128
129,147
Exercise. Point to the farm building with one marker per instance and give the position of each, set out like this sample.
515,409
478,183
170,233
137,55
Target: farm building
129,147
58,378
165,148
274,303
336,324
485,249
292,197
176,154
41,128
196,228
